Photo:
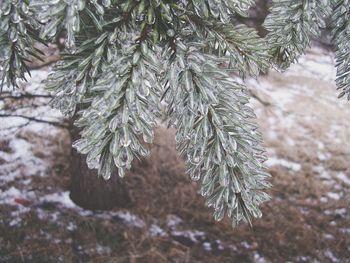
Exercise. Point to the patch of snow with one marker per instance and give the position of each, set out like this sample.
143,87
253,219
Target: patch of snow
345,230
329,254
333,195
343,177
57,241
322,172
156,231
48,215
194,235
340,211
304,210
323,156
316,63
271,133
246,245
21,161
290,141
129,219
61,198
232,247
21,148
323,199
305,259
173,220
21,210
282,97
258,258
320,145
21,151
10,195
26,181
71,226
333,223
83,212
288,120
103,250
272,161
272,121
219,245
35,80
15,221
324,71
11,122
207,246
328,236
49,114
336,133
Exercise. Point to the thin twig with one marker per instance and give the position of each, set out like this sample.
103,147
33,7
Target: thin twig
54,123
25,96
258,98
17,127
45,64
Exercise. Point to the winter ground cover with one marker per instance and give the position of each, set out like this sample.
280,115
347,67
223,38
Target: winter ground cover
305,130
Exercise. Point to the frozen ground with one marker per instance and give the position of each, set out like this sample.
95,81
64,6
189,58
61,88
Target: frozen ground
305,128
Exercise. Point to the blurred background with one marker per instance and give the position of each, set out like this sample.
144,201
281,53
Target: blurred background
53,209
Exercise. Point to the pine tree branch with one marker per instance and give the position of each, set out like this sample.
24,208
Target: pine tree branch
125,107
290,25
217,135
341,39
247,51
222,9
18,33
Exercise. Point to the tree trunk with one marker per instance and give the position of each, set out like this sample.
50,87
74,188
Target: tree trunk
92,192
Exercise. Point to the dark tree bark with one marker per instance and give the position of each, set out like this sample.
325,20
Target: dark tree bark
92,192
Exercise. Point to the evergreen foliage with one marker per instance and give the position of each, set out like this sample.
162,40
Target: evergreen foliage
291,24
124,59
18,33
341,39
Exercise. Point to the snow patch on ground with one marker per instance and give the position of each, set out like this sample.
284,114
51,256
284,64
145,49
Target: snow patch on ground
329,254
344,178
12,196
155,231
61,198
21,155
173,220
193,235
258,258
333,195
129,219
273,161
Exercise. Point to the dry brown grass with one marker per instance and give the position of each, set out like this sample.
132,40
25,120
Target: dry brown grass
5,146
294,222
